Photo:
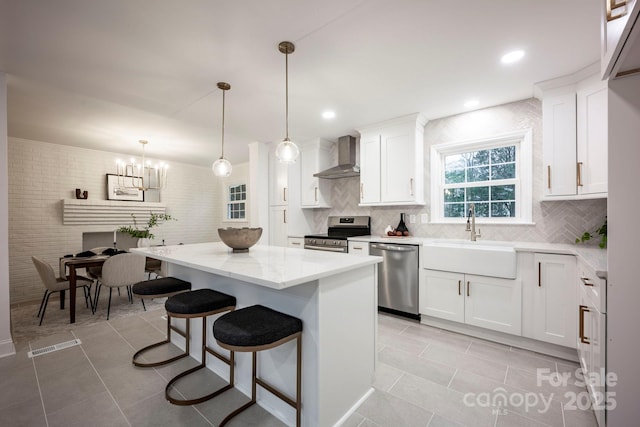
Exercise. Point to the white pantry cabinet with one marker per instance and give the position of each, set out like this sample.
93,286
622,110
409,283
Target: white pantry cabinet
278,181
315,156
574,140
278,227
548,292
358,248
392,162
487,302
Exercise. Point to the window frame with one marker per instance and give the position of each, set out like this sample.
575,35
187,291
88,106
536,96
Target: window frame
229,202
523,181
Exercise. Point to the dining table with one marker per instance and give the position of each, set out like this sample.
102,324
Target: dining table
73,264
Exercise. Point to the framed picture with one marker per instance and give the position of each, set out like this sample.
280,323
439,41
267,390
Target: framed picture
124,188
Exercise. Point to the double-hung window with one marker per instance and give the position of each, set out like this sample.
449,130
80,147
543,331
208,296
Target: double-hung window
237,202
493,173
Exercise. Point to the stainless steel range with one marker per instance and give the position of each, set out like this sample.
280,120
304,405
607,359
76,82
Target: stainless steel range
339,229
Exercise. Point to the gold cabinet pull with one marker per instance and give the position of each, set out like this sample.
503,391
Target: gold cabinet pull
316,194
468,288
295,243
583,309
539,274
361,191
586,282
411,186
284,216
459,284
549,177
579,174
284,194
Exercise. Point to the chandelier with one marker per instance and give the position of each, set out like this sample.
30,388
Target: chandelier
142,175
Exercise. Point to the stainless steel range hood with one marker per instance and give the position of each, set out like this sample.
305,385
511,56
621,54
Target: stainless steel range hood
346,160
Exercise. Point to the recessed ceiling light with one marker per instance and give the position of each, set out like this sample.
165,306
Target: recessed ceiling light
512,57
328,115
471,103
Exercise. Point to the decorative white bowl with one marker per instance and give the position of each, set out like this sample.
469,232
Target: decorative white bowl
240,239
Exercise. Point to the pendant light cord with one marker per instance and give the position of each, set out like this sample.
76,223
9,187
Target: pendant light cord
222,156
286,85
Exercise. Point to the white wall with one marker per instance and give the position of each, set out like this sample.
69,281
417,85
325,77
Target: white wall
6,343
623,291
42,174
557,222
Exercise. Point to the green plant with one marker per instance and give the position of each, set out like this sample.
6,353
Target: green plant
602,231
144,233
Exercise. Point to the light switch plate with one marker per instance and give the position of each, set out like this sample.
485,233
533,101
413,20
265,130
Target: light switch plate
424,218
412,219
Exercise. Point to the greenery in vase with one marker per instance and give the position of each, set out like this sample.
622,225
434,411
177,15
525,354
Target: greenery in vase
602,231
144,233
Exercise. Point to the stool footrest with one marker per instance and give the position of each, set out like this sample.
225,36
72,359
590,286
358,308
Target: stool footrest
197,400
153,364
236,412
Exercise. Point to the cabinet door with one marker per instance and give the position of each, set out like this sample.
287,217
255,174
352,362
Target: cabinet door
369,169
441,295
278,176
314,157
592,138
553,291
597,340
398,171
493,303
278,226
559,145
359,248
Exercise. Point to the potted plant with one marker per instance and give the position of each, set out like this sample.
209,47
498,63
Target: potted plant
602,231
144,234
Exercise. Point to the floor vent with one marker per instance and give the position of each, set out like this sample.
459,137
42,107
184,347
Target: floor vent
52,348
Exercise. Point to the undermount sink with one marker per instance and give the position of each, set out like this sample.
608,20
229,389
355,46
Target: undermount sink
495,259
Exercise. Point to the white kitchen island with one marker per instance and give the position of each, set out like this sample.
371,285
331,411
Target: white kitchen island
335,295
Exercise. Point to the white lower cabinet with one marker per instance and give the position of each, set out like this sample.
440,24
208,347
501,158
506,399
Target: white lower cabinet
278,226
359,248
551,291
487,302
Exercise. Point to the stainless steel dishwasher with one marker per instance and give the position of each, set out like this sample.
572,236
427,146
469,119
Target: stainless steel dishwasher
397,278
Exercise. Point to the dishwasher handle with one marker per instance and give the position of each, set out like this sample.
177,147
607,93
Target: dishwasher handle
396,248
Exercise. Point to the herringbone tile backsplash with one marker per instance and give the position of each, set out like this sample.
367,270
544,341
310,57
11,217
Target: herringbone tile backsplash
555,222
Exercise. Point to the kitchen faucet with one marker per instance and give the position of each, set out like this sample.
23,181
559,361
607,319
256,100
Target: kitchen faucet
471,223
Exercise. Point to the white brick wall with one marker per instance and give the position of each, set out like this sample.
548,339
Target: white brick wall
42,174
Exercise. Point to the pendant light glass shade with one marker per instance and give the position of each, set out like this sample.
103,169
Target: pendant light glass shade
222,167
287,151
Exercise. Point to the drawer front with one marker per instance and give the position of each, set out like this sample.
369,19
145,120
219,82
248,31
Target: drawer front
359,248
595,287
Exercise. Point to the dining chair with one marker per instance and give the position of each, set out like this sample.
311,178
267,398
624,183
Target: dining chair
55,284
122,270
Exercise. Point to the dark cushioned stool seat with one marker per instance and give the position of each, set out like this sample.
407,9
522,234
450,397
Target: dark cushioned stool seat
254,326
198,301
163,285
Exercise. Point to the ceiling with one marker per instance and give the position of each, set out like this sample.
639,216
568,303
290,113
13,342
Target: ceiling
104,74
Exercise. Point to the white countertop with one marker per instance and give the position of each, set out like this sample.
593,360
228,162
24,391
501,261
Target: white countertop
271,266
595,257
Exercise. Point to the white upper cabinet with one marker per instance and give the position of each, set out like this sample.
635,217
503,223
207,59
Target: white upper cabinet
392,162
559,144
592,138
574,145
315,156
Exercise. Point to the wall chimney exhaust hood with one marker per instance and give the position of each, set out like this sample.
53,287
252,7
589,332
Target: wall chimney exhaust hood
346,161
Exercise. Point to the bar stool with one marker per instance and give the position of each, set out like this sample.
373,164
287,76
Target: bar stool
254,329
189,305
158,288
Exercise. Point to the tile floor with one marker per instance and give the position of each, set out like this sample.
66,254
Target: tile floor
425,377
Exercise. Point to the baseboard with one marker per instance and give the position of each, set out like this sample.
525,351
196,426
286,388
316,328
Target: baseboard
354,408
554,350
7,348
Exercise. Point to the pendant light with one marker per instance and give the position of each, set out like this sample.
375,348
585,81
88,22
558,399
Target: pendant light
287,151
222,167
